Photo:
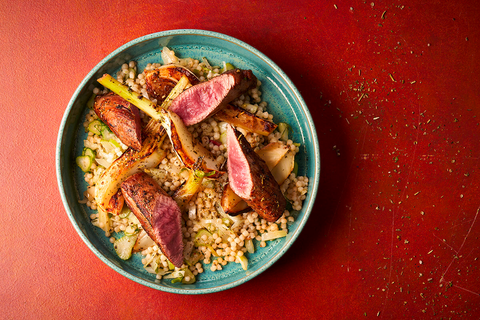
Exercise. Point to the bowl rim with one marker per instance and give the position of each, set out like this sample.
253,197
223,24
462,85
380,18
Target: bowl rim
308,206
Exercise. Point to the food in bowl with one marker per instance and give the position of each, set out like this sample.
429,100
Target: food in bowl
216,222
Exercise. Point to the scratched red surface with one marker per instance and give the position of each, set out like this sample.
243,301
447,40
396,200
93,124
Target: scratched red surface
394,90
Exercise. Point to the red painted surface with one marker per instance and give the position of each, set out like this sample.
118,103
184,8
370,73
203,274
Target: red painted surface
394,90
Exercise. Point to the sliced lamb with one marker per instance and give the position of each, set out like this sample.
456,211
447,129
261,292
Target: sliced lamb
250,178
158,213
121,117
205,99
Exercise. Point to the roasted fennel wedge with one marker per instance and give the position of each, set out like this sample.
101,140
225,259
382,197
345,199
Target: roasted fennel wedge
130,162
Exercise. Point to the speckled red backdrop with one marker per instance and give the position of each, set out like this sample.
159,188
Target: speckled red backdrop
394,90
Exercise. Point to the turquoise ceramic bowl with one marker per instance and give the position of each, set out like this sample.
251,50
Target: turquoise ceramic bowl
284,102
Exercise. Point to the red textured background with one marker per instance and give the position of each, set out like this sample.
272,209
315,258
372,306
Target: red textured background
394,90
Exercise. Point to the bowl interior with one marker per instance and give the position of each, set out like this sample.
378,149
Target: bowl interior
283,100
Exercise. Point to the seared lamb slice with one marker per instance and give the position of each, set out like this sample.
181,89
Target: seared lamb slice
205,99
158,213
250,178
159,82
121,117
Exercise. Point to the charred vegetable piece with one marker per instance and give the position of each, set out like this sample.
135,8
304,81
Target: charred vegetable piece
273,153
231,203
239,208
284,167
189,149
121,117
130,162
158,214
239,117
159,82
250,178
205,99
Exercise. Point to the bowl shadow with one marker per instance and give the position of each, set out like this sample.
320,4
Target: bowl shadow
323,220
